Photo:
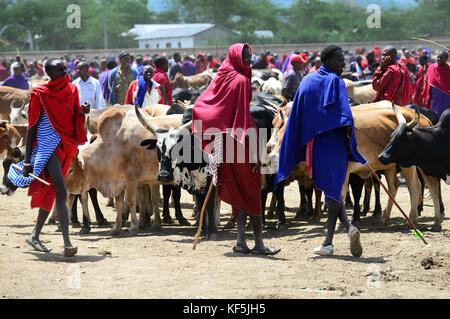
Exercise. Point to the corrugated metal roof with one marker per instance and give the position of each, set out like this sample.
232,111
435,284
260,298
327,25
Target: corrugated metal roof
156,31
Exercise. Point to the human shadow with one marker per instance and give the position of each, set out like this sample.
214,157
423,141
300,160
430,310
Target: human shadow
59,257
369,260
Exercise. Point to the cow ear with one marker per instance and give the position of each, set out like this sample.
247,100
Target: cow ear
16,152
149,144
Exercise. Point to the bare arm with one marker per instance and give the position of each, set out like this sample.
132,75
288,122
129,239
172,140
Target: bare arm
31,136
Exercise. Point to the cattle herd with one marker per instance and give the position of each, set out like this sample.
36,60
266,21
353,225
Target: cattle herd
130,154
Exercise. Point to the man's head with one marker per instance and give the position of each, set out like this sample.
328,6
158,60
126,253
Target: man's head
18,68
111,64
124,59
407,54
442,58
297,62
139,59
83,70
162,63
246,55
177,57
318,62
423,60
147,72
209,57
55,68
333,58
389,55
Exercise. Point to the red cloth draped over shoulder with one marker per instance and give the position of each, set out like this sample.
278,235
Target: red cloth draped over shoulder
225,108
439,77
393,83
59,99
420,86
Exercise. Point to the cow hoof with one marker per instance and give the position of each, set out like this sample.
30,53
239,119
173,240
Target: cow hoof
270,215
52,220
184,222
155,227
167,220
436,228
102,222
281,226
114,231
85,230
315,218
76,225
132,232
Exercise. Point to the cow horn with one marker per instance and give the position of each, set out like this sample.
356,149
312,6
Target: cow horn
20,145
12,104
182,104
145,122
186,126
282,116
271,104
416,118
23,106
398,114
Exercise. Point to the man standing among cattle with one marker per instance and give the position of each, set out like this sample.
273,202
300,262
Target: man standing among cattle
55,129
223,112
437,91
144,91
391,80
120,78
320,127
160,77
89,88
293,77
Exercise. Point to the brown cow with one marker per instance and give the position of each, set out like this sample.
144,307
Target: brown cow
115,162
10,95
195,82
12,134
360,94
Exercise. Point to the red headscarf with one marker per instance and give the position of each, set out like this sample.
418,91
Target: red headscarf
59,99
226,102
439,77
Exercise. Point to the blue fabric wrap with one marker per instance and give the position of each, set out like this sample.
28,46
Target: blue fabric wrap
320,107
47,141
142,89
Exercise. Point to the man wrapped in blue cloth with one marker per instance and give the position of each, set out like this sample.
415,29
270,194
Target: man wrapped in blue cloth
320,130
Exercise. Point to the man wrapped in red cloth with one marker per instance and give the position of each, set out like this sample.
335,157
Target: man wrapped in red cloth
437,89
420,85
391,80
59,100
223,112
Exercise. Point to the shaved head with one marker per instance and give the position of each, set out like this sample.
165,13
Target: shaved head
390,51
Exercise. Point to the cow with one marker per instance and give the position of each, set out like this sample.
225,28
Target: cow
425,147
193,174
358,93
18,115
181,94
10,134
9,95
116,165
196,81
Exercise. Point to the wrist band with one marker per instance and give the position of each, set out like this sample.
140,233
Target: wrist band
26,164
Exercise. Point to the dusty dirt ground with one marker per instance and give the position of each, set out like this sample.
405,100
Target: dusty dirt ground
394,264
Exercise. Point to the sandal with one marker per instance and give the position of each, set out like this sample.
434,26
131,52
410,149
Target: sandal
37,245
70,252
242,250
267,251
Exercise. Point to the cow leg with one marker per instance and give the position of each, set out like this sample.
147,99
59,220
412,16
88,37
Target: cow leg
357,184
441,203
434,187
412,182
195,211
368,184
176,195
101,220
302,208
120,206
86,229
348,201
154,190
309,194
318,209
167,191
131,203
376,186
143,198
74,214
393,184
279,191
70,202
422,190
110,202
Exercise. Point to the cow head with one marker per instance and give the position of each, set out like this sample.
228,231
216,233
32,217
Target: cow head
18,115
14,154
398,149
165,142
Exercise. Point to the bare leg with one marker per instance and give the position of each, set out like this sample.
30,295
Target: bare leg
55,172
34,241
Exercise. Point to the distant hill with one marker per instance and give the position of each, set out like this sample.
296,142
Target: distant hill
159,5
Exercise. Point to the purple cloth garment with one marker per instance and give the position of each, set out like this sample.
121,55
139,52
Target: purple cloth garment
188,68
104,84
18,82
440,101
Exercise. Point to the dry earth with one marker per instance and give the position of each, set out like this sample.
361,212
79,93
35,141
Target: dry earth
394,264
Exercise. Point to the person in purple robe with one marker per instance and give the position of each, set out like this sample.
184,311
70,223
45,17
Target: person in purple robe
188,67
17,80
111,64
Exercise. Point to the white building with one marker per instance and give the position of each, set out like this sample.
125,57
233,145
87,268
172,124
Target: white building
193,35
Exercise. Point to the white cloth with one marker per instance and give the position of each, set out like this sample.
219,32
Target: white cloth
149,99
90,91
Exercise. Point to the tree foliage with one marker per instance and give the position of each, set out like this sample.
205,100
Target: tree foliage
304,21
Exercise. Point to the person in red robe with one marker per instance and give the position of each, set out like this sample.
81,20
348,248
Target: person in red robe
222,112
420,85
437,90
391,80
59,100
211,61
151,93
160,77
201,63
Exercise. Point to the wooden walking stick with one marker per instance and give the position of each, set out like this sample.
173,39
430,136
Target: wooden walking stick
432,42
201,215
32,175
398,206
